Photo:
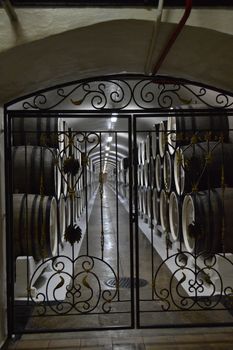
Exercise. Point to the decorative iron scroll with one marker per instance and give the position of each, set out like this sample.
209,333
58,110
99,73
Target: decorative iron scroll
79,281
207,287
127,92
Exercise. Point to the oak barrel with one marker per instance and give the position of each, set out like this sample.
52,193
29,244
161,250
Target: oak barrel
202,166
181,129
35,171
155,204
162,137
34,225
164,210
158,173
168,172
207,221
175,207
41,131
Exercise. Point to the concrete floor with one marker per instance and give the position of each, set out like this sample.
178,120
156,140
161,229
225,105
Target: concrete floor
107,259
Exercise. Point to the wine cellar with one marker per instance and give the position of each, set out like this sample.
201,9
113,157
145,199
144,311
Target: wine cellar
119,207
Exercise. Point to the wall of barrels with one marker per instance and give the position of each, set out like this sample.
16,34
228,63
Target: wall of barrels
47,196
185,184
123,178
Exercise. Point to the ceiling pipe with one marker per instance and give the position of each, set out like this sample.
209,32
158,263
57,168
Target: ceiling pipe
10,10
153,40
173,37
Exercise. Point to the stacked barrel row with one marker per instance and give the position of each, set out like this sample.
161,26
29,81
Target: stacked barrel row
185,181
149,174
123,178
41,187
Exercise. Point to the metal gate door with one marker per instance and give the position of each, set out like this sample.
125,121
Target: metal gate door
70,256
70,234
183,203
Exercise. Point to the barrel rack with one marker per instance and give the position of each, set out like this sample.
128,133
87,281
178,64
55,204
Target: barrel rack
53,182
27,268
157,162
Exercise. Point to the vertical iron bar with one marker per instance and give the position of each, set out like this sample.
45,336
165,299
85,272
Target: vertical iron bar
85,186
151,206
9,211
26,217
83,175
59,234
136,220
131,221
101,201
117,217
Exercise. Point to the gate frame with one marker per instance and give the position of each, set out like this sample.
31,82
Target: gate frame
38,106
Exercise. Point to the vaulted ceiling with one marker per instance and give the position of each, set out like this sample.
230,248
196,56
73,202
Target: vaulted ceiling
107,45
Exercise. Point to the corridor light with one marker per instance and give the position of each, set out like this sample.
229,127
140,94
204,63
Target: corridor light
109,139
107,148
114,117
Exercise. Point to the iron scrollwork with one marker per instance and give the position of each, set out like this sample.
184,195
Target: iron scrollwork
207,288
82,294
123,92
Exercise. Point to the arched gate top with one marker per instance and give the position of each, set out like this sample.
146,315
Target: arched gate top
124,93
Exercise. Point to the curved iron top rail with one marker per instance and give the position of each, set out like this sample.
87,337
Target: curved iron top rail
124,92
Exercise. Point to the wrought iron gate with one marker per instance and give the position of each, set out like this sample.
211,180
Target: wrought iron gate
69,251
183,206
145,241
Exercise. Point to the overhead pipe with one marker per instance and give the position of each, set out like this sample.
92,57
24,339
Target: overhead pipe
154,36
10,10
173,37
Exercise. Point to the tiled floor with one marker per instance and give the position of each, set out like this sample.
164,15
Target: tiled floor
178,339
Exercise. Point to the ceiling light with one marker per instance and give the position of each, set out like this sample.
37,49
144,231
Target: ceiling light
109,139
107,148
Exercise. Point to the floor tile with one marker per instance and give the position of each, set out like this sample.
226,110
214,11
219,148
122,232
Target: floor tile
128,346
189,338
11,345
200,346
97,347
127,340
160,347
221,346
95,342
159,339
32,344
63,343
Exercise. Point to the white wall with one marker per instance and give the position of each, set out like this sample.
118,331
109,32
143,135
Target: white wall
52,46
38,23
3,304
